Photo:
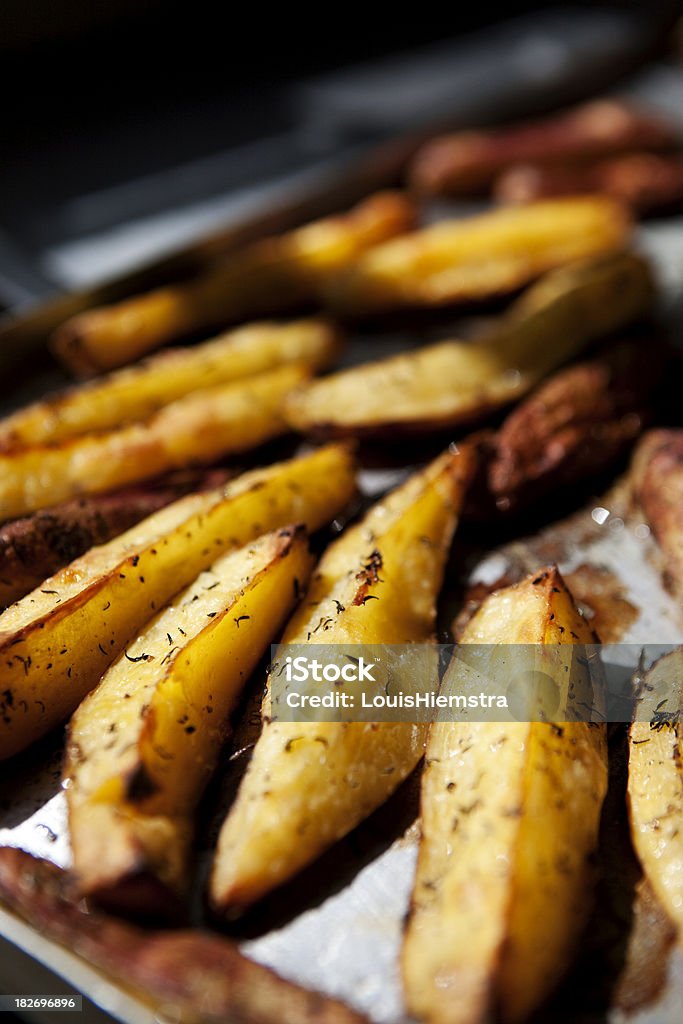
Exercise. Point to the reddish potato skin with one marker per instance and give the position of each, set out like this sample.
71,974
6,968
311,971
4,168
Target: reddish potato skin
467,163
38,545
657,483
202,976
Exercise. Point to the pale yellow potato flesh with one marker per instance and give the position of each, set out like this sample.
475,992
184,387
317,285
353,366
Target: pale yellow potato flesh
655,784
144,743
468,260
137,392
308,783
268,276
199,428
510,814
56,642
454,382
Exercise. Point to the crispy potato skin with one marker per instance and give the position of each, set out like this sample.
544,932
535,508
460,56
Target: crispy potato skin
467,163
57,641
478,258
573,426
136,393
655,783
510,815
657,479
309,783
198,428
269,276
647,183
453,382
164,708
203,976
33,548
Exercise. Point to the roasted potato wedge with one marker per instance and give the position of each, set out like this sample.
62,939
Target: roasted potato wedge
136,393
57,641
574,425
467,163
655,783
33,548
647,183
309,783
199,428
454,382
202,976
510,815
657,476
465,261
269,276
144,743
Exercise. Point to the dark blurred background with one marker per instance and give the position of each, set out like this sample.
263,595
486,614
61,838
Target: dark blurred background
132,126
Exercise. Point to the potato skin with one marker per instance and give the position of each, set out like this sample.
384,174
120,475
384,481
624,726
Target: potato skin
202,976
268,276
56,642
510,815
467,163
657,481
33,548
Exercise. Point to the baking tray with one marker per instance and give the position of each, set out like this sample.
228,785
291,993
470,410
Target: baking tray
337,927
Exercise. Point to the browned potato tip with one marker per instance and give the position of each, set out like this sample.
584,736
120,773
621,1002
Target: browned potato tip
467,163
657,479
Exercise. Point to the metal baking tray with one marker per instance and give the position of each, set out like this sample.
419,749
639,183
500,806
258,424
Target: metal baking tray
337,928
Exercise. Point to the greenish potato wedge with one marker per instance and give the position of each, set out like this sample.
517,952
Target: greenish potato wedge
56,642
144,743
271,275
138,392
199,428
655,783
510,816
456,382
309,783
477,258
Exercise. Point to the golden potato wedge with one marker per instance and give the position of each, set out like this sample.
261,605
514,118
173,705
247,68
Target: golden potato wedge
269,276
461,261
309,783
37,546
456,382
510,815
144,743
199,428
655,783
201,975
57,641
657,477
138,392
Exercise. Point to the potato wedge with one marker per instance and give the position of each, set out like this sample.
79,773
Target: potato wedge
144,743
269,276
33,548
138,392
510,815
199,428
201,975
465,261
467,163
657,476
454,382
57,641
655,783
308,783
